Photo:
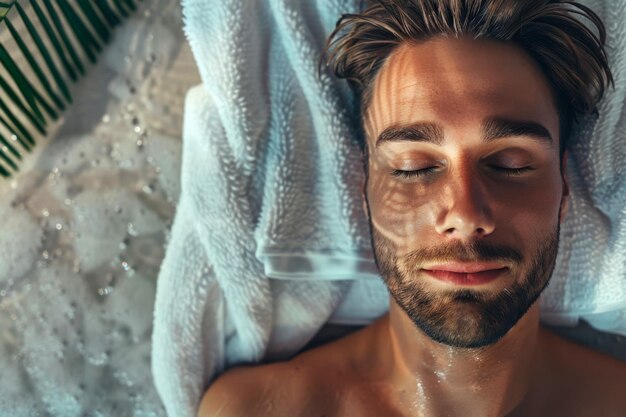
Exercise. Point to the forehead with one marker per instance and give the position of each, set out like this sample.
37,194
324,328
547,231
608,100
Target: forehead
458,83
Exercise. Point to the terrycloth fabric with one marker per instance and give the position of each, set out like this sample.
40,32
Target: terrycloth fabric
270,240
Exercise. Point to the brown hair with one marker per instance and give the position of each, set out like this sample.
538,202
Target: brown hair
570,54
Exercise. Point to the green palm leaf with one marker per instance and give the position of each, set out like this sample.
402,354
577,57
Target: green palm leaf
46,47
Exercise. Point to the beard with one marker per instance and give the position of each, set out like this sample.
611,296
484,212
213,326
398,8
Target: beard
466,318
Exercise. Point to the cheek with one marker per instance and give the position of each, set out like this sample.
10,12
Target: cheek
529,210
400,212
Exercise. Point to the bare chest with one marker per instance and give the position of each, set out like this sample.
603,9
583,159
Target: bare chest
376,401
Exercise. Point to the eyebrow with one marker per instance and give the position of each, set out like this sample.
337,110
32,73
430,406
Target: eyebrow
492,129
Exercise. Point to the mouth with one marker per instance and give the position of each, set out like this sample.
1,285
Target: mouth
475,273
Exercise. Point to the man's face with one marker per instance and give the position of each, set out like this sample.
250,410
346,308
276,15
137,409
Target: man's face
475,184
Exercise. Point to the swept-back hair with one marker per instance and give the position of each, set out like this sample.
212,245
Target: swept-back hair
570,54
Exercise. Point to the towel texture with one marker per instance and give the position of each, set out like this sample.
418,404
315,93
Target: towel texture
270,240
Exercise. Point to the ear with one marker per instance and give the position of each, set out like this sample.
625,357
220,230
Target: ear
566,190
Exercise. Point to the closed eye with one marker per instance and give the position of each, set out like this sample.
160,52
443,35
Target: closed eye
413,174
511,171
430,170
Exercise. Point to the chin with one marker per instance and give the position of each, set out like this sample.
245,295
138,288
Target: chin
468,318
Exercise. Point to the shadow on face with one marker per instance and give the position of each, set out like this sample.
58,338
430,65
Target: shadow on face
463,167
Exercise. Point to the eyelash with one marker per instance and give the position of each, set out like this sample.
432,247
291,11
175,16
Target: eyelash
413,174
512,172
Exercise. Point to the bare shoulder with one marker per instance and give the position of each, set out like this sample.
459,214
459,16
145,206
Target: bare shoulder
263,390
229,395
241,391
589,364
597,380
310,384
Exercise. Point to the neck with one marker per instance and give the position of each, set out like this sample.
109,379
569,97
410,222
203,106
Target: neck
438,380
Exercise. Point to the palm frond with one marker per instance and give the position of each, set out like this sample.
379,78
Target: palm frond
45,45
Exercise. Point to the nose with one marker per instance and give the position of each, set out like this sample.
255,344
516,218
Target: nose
466,214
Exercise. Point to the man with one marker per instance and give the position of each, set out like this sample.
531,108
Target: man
466,110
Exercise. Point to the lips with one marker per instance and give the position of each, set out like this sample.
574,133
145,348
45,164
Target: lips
466,273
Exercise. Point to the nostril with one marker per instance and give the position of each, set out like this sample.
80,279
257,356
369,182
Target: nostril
452,231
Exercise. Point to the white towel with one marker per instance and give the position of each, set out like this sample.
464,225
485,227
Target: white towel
270,240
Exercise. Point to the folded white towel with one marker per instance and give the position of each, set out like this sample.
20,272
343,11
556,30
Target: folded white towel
270,240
